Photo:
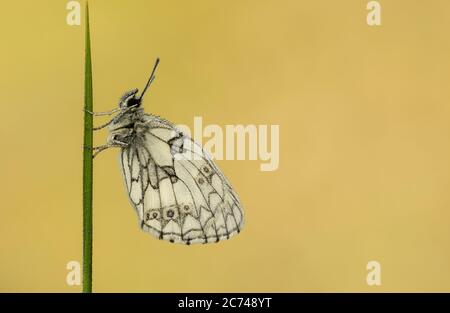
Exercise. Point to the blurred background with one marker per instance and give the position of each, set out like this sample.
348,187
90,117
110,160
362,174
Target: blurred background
364,155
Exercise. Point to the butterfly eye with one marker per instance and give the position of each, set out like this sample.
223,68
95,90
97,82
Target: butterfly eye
129,99
133,102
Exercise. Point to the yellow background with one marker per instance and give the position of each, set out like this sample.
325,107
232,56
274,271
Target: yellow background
364,151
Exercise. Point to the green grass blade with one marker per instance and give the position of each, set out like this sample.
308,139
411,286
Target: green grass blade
87,165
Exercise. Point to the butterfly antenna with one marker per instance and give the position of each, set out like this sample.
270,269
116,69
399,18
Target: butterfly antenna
152,77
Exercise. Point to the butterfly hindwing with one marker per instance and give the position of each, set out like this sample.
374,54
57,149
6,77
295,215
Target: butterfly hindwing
179,193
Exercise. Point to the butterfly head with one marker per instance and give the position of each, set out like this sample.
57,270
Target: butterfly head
129,99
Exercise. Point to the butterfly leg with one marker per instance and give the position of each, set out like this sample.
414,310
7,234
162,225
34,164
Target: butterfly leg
113,144
121,112
103,113
102,126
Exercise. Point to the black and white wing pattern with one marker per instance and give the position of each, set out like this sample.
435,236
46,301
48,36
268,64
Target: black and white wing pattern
178,192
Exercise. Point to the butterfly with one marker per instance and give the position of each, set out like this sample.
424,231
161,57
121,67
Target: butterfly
178,192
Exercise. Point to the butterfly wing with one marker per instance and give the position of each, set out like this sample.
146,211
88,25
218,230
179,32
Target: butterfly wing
178,192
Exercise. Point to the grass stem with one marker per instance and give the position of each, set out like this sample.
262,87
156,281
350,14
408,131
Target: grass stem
87,165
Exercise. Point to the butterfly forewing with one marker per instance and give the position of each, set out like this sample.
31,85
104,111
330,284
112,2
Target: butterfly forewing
180,195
